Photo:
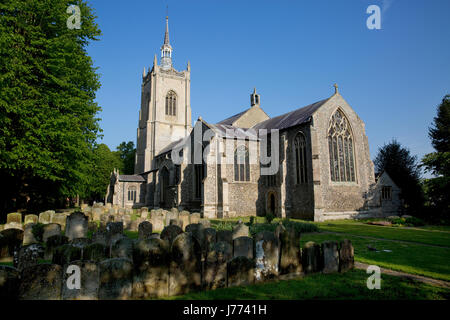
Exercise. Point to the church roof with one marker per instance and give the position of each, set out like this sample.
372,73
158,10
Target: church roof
171,145
230,120
131,178
228,131
292,118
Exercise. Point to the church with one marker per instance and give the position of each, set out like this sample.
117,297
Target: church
311,163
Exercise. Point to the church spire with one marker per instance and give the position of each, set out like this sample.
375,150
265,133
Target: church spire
166,49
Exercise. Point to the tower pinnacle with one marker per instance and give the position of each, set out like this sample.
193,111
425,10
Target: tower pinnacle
166,49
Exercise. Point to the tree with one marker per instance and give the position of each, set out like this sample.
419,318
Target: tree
438,163
127,153
48,122
403,168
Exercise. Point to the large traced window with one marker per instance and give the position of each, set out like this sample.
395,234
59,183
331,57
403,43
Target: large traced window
340,145
171,103
241,164
300,158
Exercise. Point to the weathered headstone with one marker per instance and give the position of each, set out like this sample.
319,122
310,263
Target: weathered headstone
144,212
95,252
151,261
210,238
346,256
100,237
205,222
183,216
185,266
65,254
215,270
157,220
267,256
116,279
290,253
243,247
224,249
198,231
122,248
311,257
76,225
126,219
92,226
176,222
145,230
45,217
170,215
28,256
240,272
96,214
41,282
31,218
10,242
14,217
330,252
89,281
51,229
134,224
28,235
54,242
114,232
194,218
170,233
225,235
59,218
240,230
9,283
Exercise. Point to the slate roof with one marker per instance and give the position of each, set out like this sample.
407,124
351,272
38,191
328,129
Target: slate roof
131,178
292,118
230,120
228,131
171,146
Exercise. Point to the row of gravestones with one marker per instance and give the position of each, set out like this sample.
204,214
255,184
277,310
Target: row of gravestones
113,266
14,220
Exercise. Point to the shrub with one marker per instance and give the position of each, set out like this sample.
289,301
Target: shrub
416,222
269,217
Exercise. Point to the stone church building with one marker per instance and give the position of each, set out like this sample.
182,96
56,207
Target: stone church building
319,157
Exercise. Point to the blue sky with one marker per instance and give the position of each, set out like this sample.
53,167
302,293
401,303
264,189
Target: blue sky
291,51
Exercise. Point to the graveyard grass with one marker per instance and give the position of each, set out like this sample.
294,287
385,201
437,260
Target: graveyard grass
350,285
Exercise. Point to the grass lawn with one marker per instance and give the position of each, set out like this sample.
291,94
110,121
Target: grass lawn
351,285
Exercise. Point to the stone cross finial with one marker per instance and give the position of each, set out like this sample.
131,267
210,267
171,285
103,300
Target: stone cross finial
335,88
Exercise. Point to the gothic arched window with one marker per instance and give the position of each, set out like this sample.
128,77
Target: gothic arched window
340,145
171,104
241,164
300,158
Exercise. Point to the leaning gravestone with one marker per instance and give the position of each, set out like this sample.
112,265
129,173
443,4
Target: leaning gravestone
170,233
290,254
225,235
185,266
145,230
41,282
151,261
267,256
29,256
311,257
240,230
330,251
76,225
31,218
10,242
28,235
54,242
240,272
9,283
51,229
346,256
89,281
116,279
243,247
215,271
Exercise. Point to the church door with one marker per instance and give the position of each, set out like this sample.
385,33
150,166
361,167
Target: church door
164,187
272,203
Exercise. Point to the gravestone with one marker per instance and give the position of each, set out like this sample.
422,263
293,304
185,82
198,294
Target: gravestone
54,242
198,232
114,231
290,254
9,283
59,218
176,222
92,227
145,230
28,236
243,247
100,237
170,215
205,222
311,257
14,217
10,242
170,233
96,214
226,236
28,256
157,220
183,216
66,254
51,229
134,225
215,270
89,281
31,218
76,225
151,261
185,266
194,218
41,282
122,248
116,279
224,249
126,219
240,230
96,252
144,213
267,256
330,252
45,217
346,256
104,219
240,272
210,238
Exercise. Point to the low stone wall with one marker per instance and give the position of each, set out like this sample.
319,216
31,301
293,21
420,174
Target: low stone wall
175,262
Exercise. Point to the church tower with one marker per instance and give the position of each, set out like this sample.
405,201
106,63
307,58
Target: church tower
165,114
